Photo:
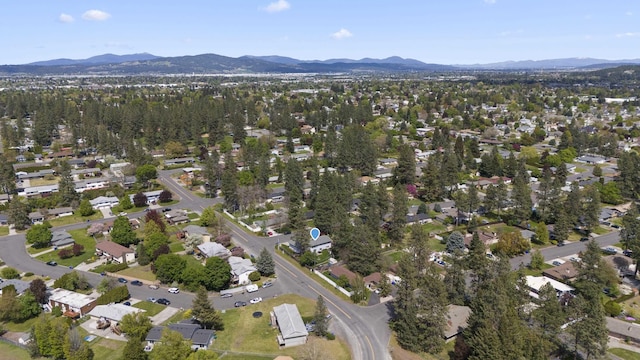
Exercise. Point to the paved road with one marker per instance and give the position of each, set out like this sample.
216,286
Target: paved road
365,329
573,248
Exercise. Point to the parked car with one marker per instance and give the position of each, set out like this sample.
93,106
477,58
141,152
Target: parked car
239,303
122,280
610,251
151,299
166,209
584,238
560,243
128,303
136,283
52,263
556,263
173,290
154,287
122,214
267,284
627,253
255,300
163,301
227,295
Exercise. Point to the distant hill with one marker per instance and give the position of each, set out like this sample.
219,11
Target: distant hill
550,64
99,59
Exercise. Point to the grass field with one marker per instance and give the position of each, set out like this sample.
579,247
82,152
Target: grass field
625,354
532,272
177,317
74,219
80,236
139,272
151,308
12,352
4,230
20,327
31,250
176,247
244,333
105,349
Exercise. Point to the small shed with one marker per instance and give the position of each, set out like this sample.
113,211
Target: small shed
292,329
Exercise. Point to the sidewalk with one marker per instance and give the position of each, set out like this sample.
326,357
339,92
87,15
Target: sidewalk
164,315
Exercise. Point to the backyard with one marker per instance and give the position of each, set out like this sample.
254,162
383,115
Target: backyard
244,333
151,308
74,219
139,272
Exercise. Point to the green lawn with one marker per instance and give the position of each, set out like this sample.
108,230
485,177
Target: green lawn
151,308
105,349
625,354
244,333
435,227
139,272
177,317
532,272
74,219
176,247
395,256
31,250
80,236
436,245
244,357
4,230
13,352
20,327
193,216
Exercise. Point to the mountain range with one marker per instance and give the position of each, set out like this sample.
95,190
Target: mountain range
144,63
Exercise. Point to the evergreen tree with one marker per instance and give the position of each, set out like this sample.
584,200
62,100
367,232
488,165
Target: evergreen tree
405,171
454,280
549,315
455,243
432,188
66,187
476,258
229,184
363,250
398,215
203,311
19,215
572,204
7,176
591,211
265,264
521,197
320,317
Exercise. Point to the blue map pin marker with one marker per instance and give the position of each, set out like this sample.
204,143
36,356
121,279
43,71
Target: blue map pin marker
315,234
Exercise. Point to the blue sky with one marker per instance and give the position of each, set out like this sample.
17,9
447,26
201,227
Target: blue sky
433,31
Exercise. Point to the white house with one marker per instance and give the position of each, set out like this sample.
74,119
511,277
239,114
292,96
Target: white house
211,249
152,196
535,283
240,269
71,303
103,202
322,243
292,329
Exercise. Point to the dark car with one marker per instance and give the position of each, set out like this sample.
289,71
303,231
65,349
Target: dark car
584,238
163,301
166,209
240,303
122,280
128,303
136,283
52,263
560,243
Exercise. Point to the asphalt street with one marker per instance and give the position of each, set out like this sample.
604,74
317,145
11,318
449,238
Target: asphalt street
365,329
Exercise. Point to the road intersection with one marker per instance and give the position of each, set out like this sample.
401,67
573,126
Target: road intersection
365,329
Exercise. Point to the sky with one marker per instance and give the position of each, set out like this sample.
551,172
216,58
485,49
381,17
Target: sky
432,31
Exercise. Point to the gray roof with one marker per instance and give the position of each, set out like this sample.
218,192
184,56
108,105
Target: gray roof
193,332
35,215
211,249
196,230
60,210
324,239
20,285
202,337
60,238
240,265
290,321
113,312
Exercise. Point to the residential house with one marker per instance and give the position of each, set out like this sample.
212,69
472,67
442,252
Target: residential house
197,230
71,303
36,217
115,252
322,243
176,217
60,212
200,338
44,190
487,238
535,283
113,312
91,184
179,161
152,196
19,285
592,160
211,249
457,317
289,322
61,238
40,174
104,202
565,272
417,219
240,269
373,280
339,270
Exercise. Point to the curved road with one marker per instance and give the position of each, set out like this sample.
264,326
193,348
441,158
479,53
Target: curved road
365,329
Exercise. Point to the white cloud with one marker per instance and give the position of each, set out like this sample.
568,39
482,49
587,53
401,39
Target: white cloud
65,18
280,5
628,13
341,34
490,2
509,32
628,34
95,15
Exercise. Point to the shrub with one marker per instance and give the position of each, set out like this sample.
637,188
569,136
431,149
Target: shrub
65,253
254,276
115,267
77,249
330,336
9,273
56,311
28,274
612,308
114,295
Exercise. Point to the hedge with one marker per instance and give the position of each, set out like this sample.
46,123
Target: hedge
115,267
114,295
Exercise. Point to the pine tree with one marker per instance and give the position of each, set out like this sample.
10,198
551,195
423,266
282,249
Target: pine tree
432,188
265,264
454,280
230,183
320,317
398,215
19,215
405,171
66,187
203,311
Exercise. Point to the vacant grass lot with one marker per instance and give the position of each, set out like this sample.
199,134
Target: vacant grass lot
20,327
9,351
80,236
151,308
4,230
139,272
244,333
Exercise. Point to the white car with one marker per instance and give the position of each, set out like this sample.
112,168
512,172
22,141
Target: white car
255,300
173,290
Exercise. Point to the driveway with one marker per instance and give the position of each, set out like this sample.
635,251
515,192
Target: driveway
163,315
